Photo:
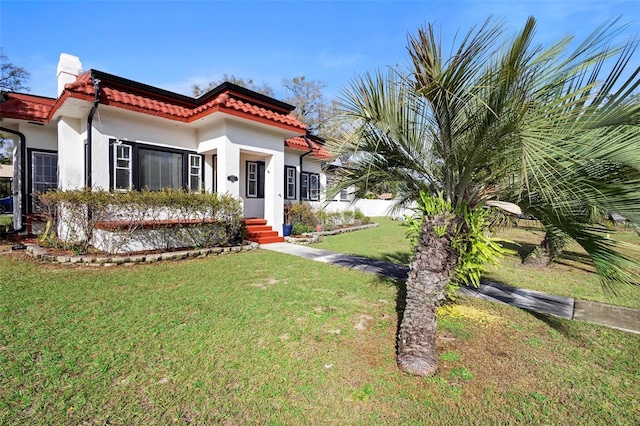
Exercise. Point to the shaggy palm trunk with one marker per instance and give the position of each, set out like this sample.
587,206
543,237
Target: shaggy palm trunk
549,249
431,270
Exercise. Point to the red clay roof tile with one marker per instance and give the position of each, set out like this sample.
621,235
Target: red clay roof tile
26,107
299,143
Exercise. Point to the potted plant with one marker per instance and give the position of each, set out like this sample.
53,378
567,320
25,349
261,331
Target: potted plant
288,225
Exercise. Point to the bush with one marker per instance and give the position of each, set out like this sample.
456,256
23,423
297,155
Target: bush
301,228
303,213
72,216
305,219
333,220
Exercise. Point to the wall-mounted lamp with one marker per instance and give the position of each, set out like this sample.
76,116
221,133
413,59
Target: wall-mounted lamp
232,178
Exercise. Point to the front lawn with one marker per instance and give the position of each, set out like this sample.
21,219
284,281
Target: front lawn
265,338
572,275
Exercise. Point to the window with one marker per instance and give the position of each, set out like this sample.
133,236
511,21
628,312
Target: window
195,173
214,170
255,179
304,186
344,195
289,183
159,169
309,186
314,186
44,173
122,166
145,167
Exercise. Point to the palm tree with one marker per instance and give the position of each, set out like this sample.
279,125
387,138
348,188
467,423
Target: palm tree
499,119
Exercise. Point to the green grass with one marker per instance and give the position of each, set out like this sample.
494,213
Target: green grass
572,275
5,221
265,338
384,242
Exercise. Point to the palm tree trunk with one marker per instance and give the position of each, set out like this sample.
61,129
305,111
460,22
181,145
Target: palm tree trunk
430,272
549,249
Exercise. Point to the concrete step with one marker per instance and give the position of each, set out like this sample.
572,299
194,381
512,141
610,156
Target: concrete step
255,221
259,228
261,234
269,240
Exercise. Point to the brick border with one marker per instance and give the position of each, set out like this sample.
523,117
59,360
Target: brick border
42,254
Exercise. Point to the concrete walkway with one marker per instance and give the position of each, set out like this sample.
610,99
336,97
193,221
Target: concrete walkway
621,318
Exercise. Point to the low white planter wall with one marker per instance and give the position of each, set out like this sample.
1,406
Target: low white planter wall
170,237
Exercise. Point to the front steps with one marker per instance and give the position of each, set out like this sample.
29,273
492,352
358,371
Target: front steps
261,233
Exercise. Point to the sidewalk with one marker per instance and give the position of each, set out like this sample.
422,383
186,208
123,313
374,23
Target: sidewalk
621,318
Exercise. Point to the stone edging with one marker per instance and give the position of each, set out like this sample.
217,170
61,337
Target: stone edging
314,237
350,229
42,254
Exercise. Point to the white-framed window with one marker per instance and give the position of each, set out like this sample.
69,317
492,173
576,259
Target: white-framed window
344,195
309,186
252,179
122,167
195,173
314,187
289,183
304,186
214,170
255,179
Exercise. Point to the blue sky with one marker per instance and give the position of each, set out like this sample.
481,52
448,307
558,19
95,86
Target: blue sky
173,45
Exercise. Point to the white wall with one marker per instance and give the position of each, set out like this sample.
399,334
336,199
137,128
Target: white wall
109,123
71,154
143,128
257,142
40,137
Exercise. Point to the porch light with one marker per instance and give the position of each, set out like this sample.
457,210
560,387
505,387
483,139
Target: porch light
232,178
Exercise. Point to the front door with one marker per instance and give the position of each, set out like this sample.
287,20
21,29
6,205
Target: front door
254,191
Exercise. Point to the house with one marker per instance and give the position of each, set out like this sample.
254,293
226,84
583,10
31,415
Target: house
108,132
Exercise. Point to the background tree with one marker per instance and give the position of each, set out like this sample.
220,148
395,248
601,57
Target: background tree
12,79
306,95
263,88
311,107
500,119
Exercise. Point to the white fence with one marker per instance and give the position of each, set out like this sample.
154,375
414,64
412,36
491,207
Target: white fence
369,208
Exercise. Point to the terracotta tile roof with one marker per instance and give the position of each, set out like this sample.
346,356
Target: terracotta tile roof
26,107
153,101
137,97
319,151
179,108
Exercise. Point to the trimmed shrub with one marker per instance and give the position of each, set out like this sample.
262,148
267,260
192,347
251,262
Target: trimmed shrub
204,219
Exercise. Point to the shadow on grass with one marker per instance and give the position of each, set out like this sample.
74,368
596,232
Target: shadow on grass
401,300
560,325
577,258
521,247
399,257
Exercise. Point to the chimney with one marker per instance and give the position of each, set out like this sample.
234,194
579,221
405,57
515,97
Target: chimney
69,67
